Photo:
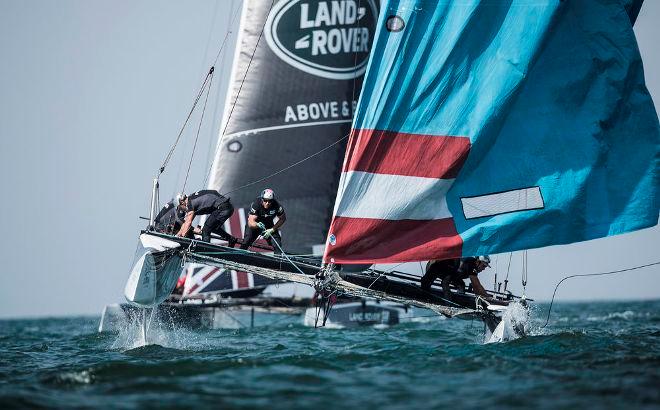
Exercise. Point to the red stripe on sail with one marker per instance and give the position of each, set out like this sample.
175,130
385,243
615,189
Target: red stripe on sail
242,280
235,224
398,153
362,240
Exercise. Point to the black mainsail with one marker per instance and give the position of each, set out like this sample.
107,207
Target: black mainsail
296,78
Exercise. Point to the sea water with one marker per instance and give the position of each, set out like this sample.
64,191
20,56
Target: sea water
591,355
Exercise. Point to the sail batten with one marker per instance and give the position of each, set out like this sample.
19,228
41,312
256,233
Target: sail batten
541,133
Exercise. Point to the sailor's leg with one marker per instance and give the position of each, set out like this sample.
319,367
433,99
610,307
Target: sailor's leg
211,222
250,236
446,280
459,283
215,222
222,215
278,238
429,277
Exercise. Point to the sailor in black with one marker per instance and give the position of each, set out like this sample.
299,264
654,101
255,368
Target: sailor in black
169,219
206,202
263,211
454,271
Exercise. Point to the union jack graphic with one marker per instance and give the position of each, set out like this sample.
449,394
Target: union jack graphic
206,279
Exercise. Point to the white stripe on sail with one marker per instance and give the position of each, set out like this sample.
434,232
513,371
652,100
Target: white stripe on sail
234,280
392,197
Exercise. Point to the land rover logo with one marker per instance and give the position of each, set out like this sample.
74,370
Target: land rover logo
327,38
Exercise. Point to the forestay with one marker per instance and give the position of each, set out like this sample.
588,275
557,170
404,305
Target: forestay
486,127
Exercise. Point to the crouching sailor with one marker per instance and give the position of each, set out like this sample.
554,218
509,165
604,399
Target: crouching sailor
169,219
454,271
206,202
263,211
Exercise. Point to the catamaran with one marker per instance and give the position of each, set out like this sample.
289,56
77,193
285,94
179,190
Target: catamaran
324,105
481,128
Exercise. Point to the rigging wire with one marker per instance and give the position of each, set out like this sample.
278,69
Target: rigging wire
592,274
286,256
497,259
233,19
199,127
508,269
199,95
214,18
287,167
192,109
213,133
523,277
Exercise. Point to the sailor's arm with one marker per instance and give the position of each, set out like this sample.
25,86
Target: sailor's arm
252,221
280,221
187,223
477,286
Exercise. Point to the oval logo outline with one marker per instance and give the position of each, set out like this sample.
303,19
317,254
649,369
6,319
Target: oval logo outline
319,70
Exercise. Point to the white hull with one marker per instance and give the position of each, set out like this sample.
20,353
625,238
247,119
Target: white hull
155,272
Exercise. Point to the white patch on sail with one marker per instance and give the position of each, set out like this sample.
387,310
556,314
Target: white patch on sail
501,203
255,131
392,197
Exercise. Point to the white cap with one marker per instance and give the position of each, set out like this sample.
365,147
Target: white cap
267,194
179,197
485,259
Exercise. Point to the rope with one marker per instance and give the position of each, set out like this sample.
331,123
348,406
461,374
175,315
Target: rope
199,127
328,298
592,274
380,275
285,255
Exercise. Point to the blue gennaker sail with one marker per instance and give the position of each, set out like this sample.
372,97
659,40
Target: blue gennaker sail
493,126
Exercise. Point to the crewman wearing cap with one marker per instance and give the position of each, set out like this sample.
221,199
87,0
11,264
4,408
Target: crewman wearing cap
261,221
454,271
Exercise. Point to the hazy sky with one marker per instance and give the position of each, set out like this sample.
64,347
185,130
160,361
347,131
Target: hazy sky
92,95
